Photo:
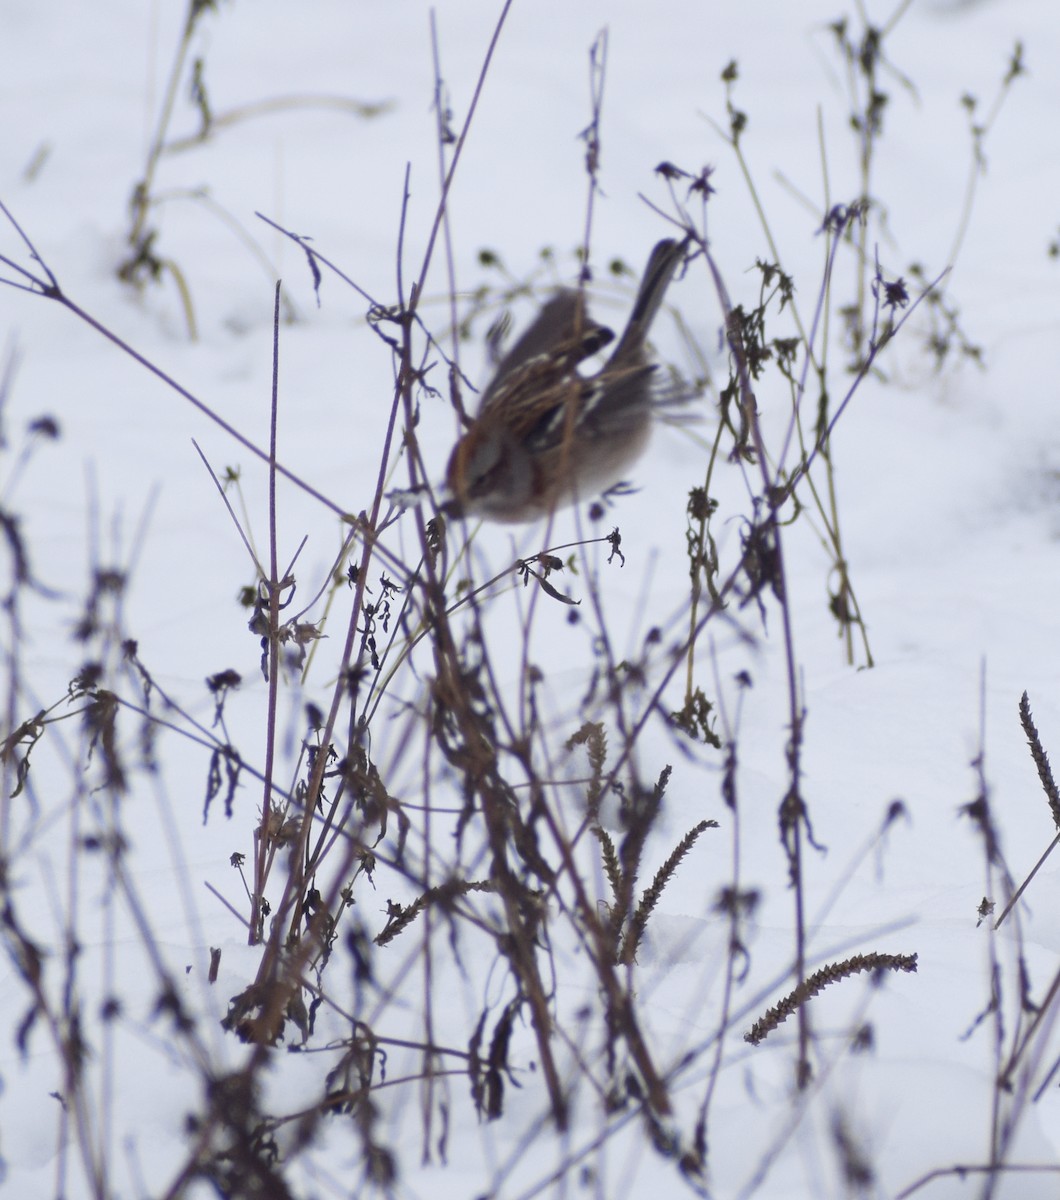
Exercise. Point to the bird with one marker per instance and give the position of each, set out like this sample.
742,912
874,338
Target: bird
546,436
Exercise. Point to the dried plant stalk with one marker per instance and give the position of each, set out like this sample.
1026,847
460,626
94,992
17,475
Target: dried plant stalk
820,979
1041,759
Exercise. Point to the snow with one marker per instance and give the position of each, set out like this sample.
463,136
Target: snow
946,482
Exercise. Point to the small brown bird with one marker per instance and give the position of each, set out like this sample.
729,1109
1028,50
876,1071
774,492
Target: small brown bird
545,436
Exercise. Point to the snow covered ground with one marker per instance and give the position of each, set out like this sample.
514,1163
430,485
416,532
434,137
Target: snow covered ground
947,484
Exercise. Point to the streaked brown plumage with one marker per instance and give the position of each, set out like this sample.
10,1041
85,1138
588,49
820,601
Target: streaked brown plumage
545,436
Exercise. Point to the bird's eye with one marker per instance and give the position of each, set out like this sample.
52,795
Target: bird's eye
484,468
